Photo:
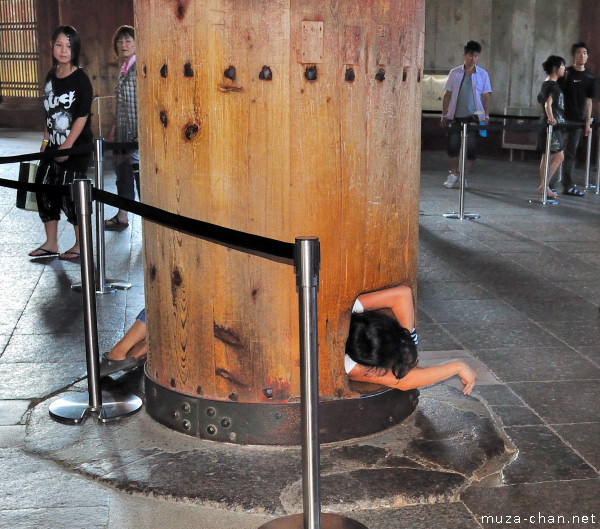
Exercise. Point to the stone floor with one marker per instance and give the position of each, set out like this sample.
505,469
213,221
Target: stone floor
516,293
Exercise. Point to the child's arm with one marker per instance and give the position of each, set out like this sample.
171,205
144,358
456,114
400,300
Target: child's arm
417,377
398,298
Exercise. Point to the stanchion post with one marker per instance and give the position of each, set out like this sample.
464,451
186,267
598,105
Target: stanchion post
75,408
83,203
588,159
100,256
307,282
103,285
307,262
545,199
598,166
464,136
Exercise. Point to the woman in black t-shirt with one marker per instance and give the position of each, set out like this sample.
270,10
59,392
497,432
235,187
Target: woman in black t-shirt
67,101
553,107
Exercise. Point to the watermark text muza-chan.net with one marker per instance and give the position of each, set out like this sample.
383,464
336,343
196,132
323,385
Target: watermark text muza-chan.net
539,519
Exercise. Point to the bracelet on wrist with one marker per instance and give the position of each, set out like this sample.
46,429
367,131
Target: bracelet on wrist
45,142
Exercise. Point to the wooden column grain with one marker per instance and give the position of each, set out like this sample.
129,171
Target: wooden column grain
281,158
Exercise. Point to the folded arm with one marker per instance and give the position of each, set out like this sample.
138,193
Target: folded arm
417,377
399,299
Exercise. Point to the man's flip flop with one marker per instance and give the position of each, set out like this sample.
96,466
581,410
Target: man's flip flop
68,256
115,224
108,366
42,252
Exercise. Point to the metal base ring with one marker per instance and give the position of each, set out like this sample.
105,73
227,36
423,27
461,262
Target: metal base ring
328,521
75,408
468,216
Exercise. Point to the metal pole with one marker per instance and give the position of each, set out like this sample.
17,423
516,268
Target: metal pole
100,259
103,285
83,203
598,166
462,166
545,199
307,281
307,262
73,408
588,159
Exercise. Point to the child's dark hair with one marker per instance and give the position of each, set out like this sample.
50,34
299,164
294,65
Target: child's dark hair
472,46
122,31
552,62
378,341
74,40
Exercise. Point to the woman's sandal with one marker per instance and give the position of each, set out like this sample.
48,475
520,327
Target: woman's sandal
42,252
573,192
115,224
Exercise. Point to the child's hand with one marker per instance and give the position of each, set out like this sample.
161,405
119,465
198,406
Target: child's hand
467,376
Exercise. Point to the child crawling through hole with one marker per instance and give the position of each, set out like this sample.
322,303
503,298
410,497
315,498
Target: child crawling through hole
379,349
383,350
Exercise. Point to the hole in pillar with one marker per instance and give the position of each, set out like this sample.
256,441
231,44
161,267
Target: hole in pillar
380,75
350,75
180,12
188,71
152,272
199,390
173,383
230,73
164,71
163,118
190,131
310,73
266,74
145,70
419,75
404,74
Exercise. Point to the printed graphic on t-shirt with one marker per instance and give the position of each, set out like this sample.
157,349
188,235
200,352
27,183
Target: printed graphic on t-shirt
58,122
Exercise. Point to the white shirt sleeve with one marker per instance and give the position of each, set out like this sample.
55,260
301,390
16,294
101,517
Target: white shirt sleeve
348,364
357,308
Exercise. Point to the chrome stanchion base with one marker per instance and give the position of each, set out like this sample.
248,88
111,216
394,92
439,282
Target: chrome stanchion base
549,201
590,186
75,408
465,216
328,521
107,290
119,284
110,286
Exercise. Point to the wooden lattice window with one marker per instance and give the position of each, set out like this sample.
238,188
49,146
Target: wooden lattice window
19,51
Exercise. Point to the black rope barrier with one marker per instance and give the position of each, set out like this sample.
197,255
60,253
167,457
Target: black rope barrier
264,246
198,228
226,236
512,127
45,155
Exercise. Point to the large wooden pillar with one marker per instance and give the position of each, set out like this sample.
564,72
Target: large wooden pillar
324,142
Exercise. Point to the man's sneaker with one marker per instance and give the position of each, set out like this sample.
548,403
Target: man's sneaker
451,181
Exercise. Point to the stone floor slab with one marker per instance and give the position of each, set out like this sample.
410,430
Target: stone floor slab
543,457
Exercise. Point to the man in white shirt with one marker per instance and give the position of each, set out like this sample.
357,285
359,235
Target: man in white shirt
466,100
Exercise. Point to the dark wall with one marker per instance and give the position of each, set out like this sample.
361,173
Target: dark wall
590,15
